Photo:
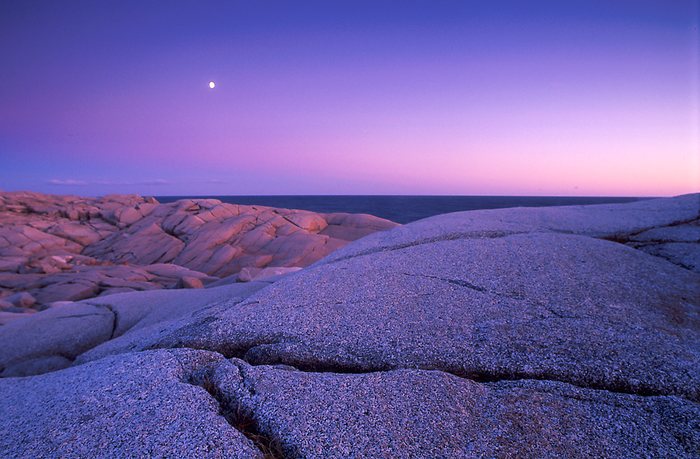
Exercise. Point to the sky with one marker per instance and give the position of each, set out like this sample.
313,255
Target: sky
576,97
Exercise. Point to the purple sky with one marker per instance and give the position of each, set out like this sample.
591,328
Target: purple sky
350,97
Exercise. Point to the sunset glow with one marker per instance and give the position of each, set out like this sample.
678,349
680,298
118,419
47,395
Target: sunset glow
427,98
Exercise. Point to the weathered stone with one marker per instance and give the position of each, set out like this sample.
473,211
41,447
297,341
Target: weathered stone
137,406
190,282
415,413
684,254
22,300
513,333
81,233
7,316
51,339
67,291
55,235
677,233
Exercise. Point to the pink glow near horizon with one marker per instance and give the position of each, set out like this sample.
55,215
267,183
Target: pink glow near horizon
582,115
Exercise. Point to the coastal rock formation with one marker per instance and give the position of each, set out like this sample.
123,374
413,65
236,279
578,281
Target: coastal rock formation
557,332
68,248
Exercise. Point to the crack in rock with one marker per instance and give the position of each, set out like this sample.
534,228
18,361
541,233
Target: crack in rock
458,282
475,376
236,415
115,318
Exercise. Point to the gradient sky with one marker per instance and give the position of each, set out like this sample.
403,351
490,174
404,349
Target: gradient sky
350,97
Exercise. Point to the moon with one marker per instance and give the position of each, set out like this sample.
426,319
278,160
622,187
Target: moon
212,85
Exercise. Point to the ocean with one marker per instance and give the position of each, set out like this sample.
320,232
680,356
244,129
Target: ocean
405,209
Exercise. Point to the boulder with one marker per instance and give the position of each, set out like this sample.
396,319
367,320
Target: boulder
308,221
22,300
189,282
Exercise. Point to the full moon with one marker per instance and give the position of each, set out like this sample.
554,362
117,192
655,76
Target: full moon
212,85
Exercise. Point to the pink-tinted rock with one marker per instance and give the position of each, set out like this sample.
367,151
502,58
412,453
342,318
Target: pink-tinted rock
22,300
308,221
12,264
80,233
71,291
190,282
70,247
7,316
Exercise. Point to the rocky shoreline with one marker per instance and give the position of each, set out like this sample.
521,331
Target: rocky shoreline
526,332
68,248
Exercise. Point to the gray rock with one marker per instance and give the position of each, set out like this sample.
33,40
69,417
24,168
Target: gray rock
604,221
51,339
6,305
68,291
540,306
509,333
142,317
684,254
678,233
418,414
7,316
140,405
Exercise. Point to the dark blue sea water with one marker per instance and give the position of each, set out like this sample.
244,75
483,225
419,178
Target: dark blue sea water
404,209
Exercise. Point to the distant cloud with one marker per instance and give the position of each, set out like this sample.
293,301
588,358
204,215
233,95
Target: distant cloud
67,182
72,182
155,182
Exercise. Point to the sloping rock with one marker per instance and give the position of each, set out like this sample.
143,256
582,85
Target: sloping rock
539,306
59,334
511,333
142,246
136,406
413,413
611,221
45,234
683,254
80,233
349,227
51,339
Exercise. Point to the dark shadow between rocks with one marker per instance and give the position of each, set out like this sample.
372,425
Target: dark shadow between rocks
238,417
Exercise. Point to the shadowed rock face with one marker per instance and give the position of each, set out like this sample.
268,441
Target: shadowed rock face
477,334
68,248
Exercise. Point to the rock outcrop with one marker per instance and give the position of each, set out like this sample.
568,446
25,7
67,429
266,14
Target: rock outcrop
558,332
68,248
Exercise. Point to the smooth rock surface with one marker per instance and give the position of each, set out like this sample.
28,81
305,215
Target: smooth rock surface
510,333
60,334
76,245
